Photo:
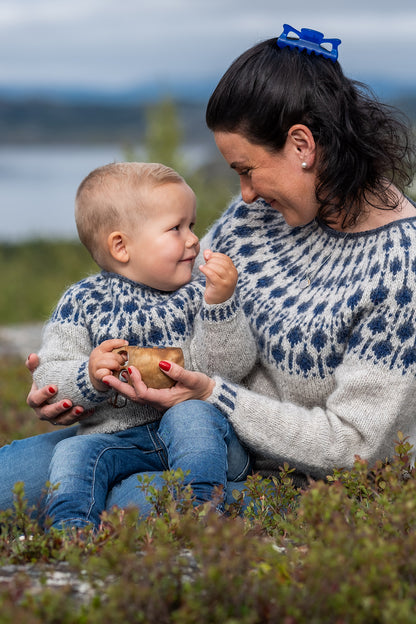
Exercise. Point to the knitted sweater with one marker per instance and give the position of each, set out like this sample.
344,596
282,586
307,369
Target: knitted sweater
108,305
336,374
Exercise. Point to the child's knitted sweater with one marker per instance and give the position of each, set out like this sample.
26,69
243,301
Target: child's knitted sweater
107,306
334,318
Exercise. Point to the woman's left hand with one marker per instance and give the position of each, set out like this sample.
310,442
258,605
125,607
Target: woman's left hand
189,385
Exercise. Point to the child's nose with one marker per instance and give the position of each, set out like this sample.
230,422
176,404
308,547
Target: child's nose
192,240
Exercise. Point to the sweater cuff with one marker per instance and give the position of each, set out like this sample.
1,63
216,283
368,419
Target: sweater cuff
218,312
224,396
85,387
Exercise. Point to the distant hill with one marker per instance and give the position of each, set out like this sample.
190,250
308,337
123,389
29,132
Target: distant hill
83,116
49,121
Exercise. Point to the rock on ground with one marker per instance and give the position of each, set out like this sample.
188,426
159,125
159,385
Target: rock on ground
20,340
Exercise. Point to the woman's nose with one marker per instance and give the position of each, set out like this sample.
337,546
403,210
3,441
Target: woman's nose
247,192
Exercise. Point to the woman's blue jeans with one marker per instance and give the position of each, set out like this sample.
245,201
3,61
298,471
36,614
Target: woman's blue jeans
97,471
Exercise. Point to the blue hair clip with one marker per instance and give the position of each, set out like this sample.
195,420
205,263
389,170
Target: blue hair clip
309,40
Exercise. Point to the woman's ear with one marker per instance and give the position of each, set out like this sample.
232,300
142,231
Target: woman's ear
302,140
117,246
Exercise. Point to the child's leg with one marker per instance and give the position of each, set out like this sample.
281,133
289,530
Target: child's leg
85,468
200,439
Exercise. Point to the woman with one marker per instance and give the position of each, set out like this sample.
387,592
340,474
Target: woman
325,244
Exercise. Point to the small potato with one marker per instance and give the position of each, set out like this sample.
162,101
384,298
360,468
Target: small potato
146,360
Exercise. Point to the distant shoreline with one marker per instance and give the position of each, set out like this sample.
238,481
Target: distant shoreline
55,122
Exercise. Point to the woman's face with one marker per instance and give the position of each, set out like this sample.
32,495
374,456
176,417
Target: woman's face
277,177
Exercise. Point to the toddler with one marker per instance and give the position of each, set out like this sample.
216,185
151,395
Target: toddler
137,220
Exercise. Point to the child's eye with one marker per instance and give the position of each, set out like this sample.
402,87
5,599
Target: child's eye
176,228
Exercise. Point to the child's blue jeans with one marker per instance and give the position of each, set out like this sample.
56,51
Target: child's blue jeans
193,436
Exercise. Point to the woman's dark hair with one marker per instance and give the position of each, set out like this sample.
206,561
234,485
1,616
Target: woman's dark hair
363,144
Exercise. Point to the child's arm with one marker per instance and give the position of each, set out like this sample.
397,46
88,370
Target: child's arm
221,277
64,358
222,341
64,354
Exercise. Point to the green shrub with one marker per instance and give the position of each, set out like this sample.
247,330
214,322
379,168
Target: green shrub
338,552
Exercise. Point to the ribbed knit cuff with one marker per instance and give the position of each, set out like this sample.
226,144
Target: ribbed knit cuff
219,312
86,388
223,396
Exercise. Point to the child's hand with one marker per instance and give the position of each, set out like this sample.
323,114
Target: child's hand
221,277
104,362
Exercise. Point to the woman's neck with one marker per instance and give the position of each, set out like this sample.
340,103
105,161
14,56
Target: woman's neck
372,217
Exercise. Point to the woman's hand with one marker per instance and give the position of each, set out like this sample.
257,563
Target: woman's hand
189,385
61,413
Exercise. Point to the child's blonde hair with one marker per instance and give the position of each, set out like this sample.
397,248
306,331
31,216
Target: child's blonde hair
111,197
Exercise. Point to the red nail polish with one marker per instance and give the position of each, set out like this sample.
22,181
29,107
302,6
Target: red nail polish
78,411
165,366
107,383
66,405
52,390
130,371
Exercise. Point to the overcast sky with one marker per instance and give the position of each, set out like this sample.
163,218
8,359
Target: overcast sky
122,43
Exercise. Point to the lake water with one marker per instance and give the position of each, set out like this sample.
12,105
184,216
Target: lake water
38,186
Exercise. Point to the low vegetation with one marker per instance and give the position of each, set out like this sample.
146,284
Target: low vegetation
339,552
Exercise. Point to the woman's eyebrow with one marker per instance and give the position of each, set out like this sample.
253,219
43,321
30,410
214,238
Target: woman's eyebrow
237,164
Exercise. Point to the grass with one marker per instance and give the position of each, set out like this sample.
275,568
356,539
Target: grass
17,419
35,273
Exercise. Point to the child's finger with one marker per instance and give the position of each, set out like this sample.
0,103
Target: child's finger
113,362
101,373
218,271
209,273
113,343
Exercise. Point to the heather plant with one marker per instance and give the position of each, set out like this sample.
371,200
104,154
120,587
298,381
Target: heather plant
339,551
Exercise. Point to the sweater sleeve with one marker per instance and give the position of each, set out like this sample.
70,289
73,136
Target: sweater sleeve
362,417
222,342
64,356
369,399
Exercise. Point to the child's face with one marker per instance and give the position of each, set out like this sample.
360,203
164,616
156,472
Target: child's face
163,247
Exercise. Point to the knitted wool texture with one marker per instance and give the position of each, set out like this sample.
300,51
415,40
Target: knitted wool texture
108,305
336,374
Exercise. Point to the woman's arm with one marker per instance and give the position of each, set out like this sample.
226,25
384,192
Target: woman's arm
362,416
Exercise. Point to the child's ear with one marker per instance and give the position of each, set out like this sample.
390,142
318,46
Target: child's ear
117,246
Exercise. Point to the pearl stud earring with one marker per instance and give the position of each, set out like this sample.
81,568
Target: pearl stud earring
304,165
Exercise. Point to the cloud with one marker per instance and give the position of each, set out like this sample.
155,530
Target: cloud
113,44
